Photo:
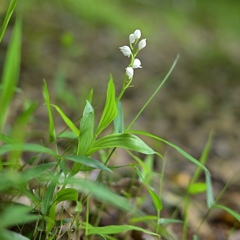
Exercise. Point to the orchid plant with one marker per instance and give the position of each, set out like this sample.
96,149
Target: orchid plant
57,180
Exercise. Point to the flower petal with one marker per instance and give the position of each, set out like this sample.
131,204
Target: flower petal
142,44
132,38
129,72
137,33
137,63
126,51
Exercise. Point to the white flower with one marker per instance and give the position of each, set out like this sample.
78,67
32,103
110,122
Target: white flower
134,36
137,63
142,44
129,72
126,51
137,34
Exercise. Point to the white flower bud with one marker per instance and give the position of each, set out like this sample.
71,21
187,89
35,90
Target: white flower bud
126,51
137,34
137,63
142,44
132,38
129,72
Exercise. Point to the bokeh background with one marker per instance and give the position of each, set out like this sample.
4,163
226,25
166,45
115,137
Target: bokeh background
74,46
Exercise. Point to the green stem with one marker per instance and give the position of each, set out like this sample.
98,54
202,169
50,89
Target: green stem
155,92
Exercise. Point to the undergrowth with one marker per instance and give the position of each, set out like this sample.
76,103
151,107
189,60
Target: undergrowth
53,195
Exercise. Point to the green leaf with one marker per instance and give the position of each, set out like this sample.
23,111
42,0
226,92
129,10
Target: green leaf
68,194
113,229
48,196
230,211
178,149
16,214
9,235
51,130
94,164
203,159
10,10
37,171
156,200
209,192
68,122
110,109
119,120
86,128
101,193
10,72
196,188
168,220
67,134
121,140
26,147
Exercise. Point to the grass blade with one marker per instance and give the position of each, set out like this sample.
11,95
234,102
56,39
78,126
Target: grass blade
230,211
10,10
155,92
114,229
51,130
10,72
68,122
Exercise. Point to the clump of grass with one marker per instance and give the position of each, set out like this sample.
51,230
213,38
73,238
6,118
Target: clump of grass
50,195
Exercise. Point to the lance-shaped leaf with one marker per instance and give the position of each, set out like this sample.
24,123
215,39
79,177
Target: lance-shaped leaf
121,140
11,70
92,163
110,109
86,128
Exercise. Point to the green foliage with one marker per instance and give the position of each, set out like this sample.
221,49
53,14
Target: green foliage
10,72
50,177
10,10
116,229
110,108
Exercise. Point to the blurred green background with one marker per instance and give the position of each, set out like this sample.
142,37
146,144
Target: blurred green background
74,45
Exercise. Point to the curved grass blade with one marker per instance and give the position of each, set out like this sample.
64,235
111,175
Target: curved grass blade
209,191
155,92
68,122
230,211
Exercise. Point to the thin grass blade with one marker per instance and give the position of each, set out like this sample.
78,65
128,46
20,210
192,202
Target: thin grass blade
10,10
10,72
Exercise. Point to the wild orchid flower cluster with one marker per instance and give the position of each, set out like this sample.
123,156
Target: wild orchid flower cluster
132,51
